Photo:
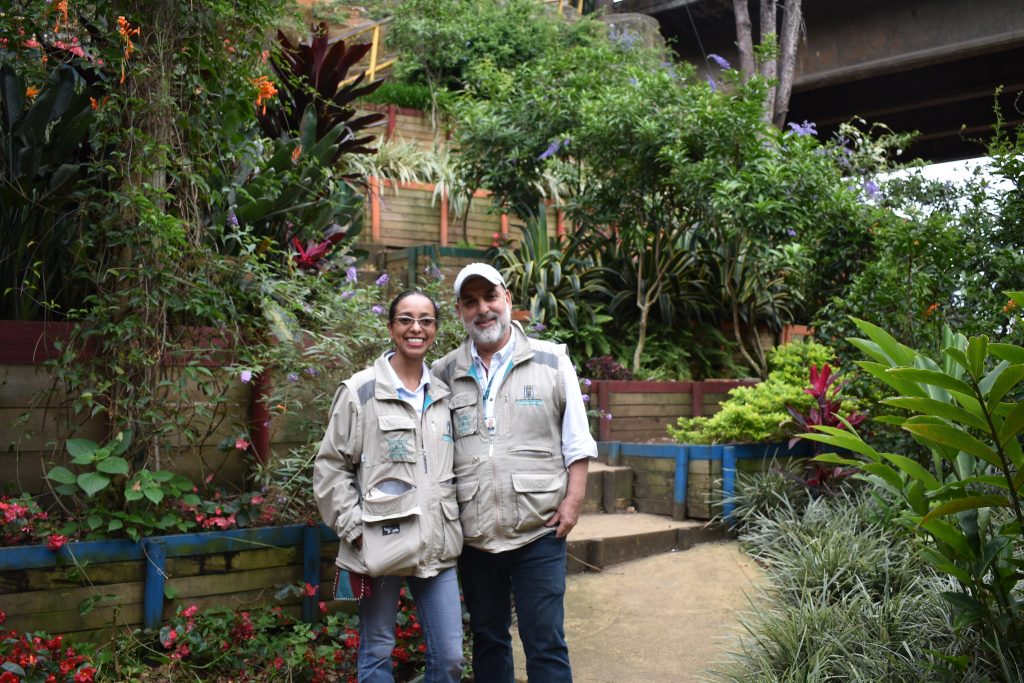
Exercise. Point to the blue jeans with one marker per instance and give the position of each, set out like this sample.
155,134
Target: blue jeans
440,613
535,575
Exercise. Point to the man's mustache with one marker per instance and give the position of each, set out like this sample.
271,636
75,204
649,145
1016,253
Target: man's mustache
484,317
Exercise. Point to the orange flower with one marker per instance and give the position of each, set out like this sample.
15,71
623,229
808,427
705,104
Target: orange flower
31,91
264,90
296,153
125,30
61,8
1010,305
931,309
97,104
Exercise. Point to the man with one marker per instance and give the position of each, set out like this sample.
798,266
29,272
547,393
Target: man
522,446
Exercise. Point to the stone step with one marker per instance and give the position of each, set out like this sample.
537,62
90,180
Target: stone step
601,539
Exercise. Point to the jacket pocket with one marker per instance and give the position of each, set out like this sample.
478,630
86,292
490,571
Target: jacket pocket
398,438
464,414
469,508
537,497
452,536
392,539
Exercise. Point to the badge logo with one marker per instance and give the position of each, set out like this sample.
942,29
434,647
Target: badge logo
398,448
390,529
529,397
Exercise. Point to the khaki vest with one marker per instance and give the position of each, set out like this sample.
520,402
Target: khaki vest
511,481
384,475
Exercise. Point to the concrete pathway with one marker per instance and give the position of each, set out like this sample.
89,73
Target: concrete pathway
662,619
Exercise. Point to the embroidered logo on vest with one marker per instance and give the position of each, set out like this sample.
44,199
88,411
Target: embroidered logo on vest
529,397
398,448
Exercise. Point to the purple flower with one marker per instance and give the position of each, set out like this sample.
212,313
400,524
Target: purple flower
246,376
293,377
712,84
350,274
383,280
871,189
791,232
377,309
552,148
607,416
348,295
587,383
266,423
805,128
540,327
434,272
312,372
720,61
586,398
232,219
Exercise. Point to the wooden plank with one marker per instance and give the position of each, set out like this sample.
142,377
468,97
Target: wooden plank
100,617
67,578
617,398
654,489
25,386
197,586
34,602
641,465
653,506
222,563
242,600
38,429
669,411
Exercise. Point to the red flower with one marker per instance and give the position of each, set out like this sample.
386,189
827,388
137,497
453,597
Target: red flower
189,611
56,542
312,590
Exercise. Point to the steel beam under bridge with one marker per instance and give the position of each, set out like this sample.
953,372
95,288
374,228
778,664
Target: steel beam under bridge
927,65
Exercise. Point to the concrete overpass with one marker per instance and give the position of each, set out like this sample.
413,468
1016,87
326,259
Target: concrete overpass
926,65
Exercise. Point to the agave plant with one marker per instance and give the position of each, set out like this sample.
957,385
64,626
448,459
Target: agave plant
550,280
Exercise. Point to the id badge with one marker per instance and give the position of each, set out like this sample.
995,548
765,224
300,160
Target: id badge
490,424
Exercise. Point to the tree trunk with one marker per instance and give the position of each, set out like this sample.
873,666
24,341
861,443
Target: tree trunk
744,39
769,66
791,20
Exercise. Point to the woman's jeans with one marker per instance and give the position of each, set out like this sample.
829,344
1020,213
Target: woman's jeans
440,613
535,576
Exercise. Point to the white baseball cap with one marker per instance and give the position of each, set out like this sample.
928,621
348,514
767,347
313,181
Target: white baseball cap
483,270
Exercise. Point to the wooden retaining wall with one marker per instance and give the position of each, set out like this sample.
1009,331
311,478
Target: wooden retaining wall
128,583
687,481
641,410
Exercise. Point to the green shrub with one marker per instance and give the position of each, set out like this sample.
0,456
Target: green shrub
849,598
408,95
757,413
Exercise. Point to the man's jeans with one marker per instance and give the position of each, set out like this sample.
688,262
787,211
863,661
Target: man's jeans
440,614
535,575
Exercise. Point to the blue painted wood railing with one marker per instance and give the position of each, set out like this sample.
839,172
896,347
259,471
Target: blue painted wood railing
682,454
157,549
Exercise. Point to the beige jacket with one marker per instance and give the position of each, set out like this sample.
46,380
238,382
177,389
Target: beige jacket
387,477
509,482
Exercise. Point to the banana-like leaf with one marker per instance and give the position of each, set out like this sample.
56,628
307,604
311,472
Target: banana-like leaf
948,534
1009,377
960,504
932,378
956,438
977,349
930,406
913,469
897,352
1008,352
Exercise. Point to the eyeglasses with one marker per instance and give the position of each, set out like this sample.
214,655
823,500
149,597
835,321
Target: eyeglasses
406,321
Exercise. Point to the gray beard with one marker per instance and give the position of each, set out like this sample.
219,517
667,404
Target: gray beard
493,334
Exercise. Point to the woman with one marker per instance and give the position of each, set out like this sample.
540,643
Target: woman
383,481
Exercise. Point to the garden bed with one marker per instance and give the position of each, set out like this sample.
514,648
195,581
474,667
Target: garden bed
687,481
128,584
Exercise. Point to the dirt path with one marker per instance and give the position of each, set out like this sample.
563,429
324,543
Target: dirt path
662,619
